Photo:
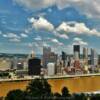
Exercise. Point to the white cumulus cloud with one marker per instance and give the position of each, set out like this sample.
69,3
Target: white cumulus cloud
41,24
79,28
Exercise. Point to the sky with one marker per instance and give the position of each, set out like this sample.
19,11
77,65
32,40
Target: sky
27,25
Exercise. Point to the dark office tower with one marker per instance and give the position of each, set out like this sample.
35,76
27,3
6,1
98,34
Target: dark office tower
99,59
34,66
69,62
64,57
76,50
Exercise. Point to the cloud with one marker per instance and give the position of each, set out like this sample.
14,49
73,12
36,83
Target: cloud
89,7
38,38
63,36
24,35
30,45
78,28
44,44
35,4
56,42
76,41
14,40
64,28
91,10
4,35
44,24
41,24
11,35
79,41
83,43
28,30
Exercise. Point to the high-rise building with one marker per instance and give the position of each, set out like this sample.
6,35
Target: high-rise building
85,55
46,50
33,54
64,58
51,68
76,50
34,66
20,65
94,57
14,62
69,62
48,56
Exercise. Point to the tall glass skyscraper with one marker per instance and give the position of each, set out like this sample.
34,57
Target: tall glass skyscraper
76,50
94,57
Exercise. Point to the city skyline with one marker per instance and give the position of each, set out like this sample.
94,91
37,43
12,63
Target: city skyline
32,24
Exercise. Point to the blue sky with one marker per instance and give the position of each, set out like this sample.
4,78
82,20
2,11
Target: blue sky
32,24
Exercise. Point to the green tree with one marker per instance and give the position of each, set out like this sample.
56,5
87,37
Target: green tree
39,88
95,97
80,96
15,95
65,93
57,96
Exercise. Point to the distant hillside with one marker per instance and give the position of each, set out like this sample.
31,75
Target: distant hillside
12,55
17,55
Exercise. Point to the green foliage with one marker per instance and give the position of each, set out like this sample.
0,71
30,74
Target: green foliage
15,95
3,74
79,96
39,88
65,94
95,97
57,96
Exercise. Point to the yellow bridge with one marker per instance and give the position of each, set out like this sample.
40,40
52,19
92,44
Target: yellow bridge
75,83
